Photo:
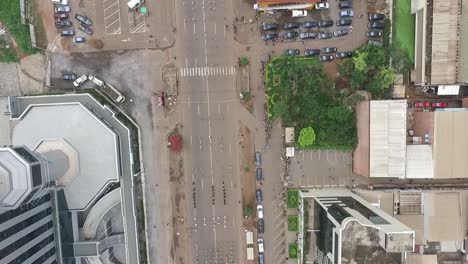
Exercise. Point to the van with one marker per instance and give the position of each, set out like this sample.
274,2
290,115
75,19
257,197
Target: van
250,252
249,237
95,80
258,174
134,4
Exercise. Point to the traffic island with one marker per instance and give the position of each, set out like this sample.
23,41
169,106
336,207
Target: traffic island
293,223
243,83
293,250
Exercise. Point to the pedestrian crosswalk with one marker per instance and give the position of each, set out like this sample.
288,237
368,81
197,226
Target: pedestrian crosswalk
207,71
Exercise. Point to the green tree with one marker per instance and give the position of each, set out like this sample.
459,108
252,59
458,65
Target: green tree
386,76
346,67
360,61
401,61
306,137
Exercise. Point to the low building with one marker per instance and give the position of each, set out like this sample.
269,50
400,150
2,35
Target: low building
267,5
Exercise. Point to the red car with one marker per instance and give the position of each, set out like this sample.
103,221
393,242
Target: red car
422,104
439,105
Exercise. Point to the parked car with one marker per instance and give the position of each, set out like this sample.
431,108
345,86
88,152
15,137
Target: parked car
299,13
62,9
290,35
261,248
80,80
83,19
134,4
258,159
270,36
329,50
343,55
270,26
63,23
260,211
325,23
290,25
79,40
344,5
340,32
439,105
347,13
85,29
61,16
292,52
311,52
322,5
344,22
309,24
375,16
374,33
68,76
376,24
259,196
326,58
261,226
259,174
261,258
95,80
325,35
308,35
422,104
60,2
68,32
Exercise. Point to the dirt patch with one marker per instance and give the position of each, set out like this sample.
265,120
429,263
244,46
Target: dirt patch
247,172
45,23
376,6
361,153
181,232
331,68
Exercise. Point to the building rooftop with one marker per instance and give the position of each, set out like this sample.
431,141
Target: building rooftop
421,259
463,71
444,222
95,142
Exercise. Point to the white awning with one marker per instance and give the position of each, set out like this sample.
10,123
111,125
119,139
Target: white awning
448,90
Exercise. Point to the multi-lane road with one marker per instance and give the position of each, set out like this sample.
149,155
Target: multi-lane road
209,116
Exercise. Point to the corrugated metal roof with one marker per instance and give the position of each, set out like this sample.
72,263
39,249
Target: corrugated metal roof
421,259
444,222
419,163
388,138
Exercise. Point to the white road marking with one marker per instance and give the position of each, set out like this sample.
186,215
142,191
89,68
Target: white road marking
219,109
202,184
228,108
194,28
215,28
191,140
230,149
111,5
207,71
198,109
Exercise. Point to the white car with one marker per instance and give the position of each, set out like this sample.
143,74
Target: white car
260,211
60,2
95,80
299,13
134,4
319,6
261,248
83,78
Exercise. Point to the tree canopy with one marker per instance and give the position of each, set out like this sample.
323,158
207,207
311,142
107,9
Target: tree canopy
306,137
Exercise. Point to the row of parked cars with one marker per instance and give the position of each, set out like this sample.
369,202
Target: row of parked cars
375,25
430,105
259,197
326,53
61,16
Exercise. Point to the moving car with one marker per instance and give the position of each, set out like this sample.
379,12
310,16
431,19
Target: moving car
270,36
347,13
60,2
258,159
258,174
322,5
308,35
62,9
68,76
68,32
325,23
63,23
439,105
134,4
326,58
261,248
85,29
376,24
290,35
422,104
375,16
292,52
80,80
309,24
340,32
343,55
329,50
95,80
325,35
79,40
270,26
260,211
83,19
344,5
299,13
261,226
311,52
374,33
290,25
259,196
344,22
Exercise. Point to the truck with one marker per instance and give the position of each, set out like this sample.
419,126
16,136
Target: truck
113,93
249,239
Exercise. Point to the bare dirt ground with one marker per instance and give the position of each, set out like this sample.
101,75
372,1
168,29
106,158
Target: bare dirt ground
45,12
378,6
181,232
361,153
247,172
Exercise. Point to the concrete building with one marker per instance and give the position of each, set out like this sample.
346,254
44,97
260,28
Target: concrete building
66,184
344,227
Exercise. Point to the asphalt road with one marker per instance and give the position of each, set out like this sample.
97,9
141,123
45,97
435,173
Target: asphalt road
209,118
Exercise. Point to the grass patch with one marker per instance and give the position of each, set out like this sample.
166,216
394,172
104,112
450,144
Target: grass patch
11,18
7,53
293,223
293,250
403,28
293,198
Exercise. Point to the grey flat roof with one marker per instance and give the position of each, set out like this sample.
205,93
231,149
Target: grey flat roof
95,142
